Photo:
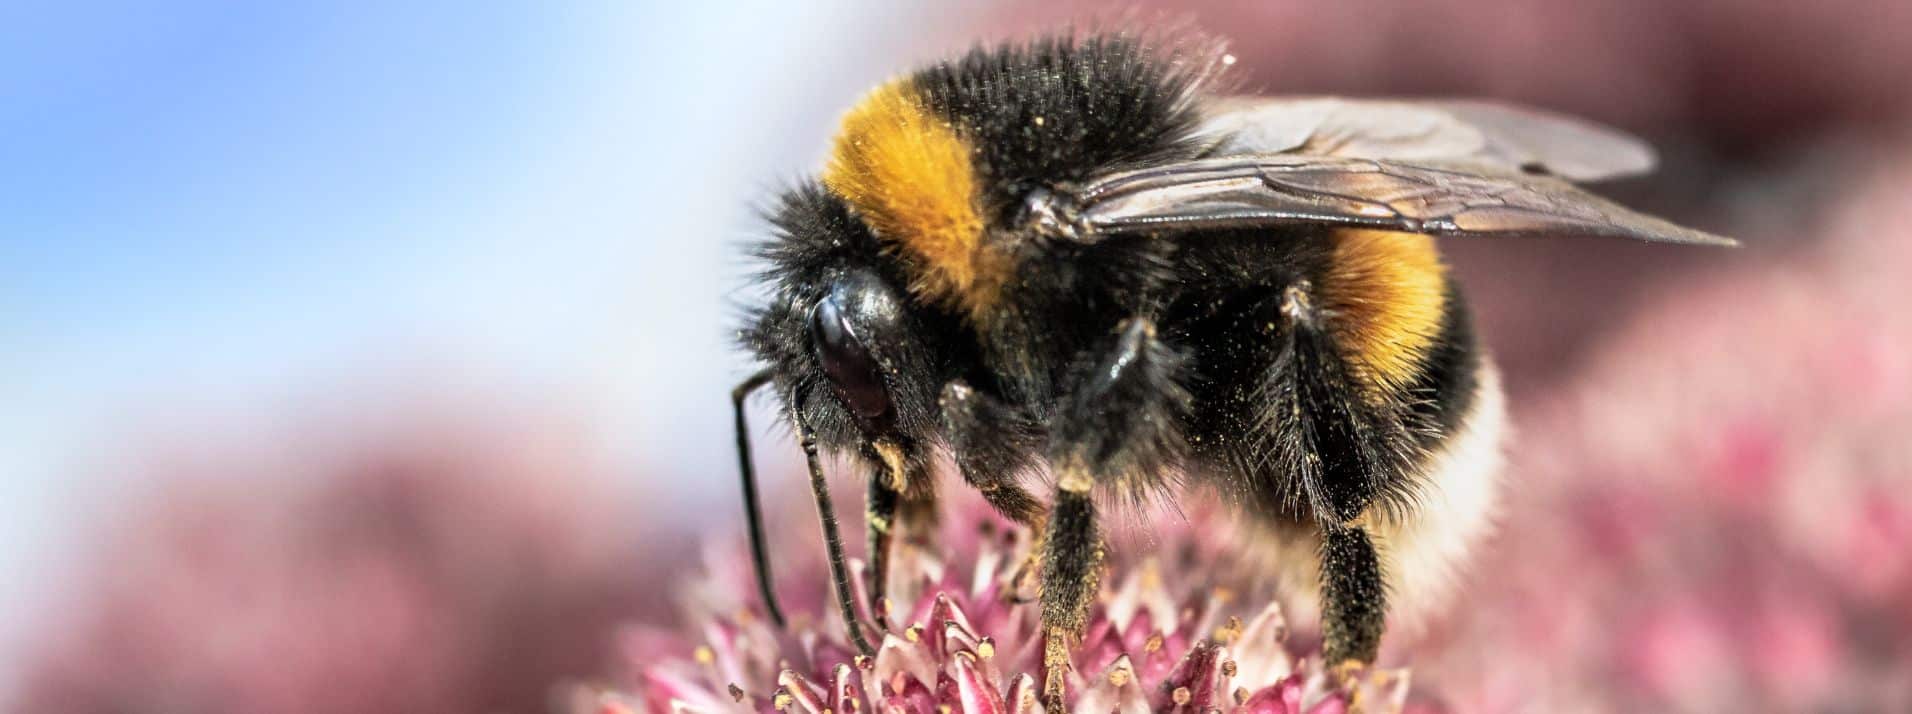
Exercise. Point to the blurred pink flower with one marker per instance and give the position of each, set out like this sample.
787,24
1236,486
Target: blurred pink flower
1730,478
445,564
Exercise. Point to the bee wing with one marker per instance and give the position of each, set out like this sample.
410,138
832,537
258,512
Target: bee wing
1479,134
1458,199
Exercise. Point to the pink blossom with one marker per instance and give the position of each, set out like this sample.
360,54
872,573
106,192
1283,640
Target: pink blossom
1170,633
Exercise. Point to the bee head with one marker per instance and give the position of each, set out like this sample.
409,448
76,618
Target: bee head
855,357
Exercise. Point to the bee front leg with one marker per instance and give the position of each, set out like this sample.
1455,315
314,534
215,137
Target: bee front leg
880,514
900,503
992,443
1119,428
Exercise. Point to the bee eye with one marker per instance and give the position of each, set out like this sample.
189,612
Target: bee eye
853,372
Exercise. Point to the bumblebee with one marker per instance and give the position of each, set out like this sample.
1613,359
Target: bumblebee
1086,276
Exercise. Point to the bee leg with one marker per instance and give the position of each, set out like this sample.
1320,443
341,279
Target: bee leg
1118,428
1353,601
1344,446
901,503
880,514
1071,575
992,443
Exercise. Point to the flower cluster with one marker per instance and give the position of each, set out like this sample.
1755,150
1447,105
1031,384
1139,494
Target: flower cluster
447,563
1163,637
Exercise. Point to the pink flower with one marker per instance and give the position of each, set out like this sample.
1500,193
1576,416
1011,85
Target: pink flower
443,564
1714,514
1170,633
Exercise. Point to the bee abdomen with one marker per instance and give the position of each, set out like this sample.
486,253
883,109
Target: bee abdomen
1383,295
1448,381
1455,503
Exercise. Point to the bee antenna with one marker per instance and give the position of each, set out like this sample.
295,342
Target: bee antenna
753,513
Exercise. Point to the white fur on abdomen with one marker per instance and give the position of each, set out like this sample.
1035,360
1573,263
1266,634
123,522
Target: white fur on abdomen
1422,555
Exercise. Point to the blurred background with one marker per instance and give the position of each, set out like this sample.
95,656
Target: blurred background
373,356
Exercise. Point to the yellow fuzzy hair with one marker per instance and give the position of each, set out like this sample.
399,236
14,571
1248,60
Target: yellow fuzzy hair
1385,292
908,173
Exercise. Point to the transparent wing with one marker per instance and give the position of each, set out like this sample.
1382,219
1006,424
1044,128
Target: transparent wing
1478,134
1283,189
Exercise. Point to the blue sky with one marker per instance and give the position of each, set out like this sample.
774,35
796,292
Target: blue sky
209,205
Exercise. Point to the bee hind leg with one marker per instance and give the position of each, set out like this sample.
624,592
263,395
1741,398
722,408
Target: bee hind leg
1346,449
1353,600
1118,428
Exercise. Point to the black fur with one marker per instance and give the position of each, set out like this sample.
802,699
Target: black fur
1446,387
1338,446
818,246
993,444
1067,300
1061,109
1122,419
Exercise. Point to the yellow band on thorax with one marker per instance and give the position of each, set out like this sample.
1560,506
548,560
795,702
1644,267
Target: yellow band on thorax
910,176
